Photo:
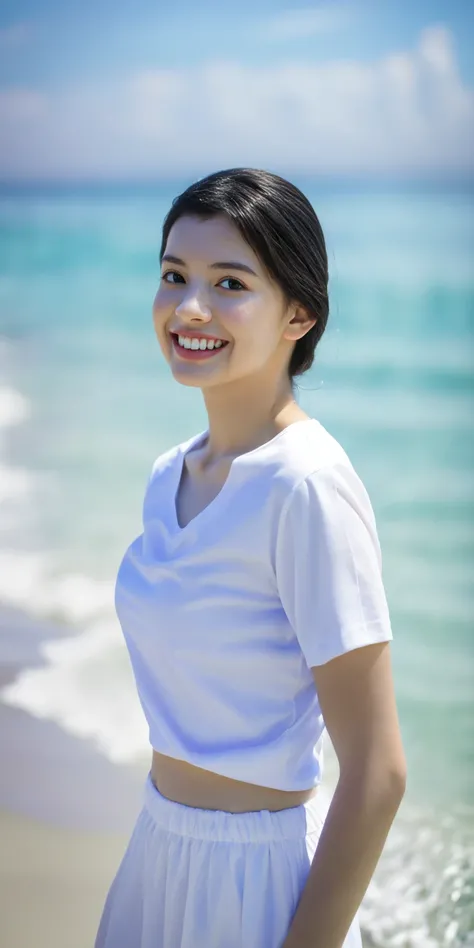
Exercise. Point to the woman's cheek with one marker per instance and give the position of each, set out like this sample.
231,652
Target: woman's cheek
162,299
239,316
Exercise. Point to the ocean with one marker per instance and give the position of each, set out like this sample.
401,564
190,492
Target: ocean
87,403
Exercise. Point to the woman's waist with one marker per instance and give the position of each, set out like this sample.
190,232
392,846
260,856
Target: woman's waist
194,786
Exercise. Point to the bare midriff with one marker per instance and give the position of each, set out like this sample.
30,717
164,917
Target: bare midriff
192,786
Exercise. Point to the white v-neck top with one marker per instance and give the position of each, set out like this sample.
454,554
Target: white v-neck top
225,617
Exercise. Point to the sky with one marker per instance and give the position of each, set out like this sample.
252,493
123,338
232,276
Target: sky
110,91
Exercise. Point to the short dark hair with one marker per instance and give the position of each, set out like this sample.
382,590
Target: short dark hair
282,228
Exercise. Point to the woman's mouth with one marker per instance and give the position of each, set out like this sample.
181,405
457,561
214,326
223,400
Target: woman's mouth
197,349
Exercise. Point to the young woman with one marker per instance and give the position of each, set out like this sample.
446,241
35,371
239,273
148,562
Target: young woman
253,608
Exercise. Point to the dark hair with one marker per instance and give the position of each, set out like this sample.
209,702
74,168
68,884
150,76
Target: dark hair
280,225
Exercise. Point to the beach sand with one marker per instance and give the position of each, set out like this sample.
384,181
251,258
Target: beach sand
65,820
52,883
66,814
53,877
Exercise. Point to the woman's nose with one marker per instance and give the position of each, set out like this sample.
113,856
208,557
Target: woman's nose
193,304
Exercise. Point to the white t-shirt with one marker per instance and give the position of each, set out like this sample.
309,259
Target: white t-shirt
224,617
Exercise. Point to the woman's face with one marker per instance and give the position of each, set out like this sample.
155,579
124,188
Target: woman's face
212,283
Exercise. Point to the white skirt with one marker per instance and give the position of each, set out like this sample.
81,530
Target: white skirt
194,878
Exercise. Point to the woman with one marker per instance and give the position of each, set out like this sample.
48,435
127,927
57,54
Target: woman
253,608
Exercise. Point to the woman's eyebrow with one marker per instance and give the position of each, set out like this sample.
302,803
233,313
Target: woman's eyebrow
220,265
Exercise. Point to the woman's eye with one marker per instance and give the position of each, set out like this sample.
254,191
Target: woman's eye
239,286
172,273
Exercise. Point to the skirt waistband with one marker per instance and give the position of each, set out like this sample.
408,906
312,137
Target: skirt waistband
250,827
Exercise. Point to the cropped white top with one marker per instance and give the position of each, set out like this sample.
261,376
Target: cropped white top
225,617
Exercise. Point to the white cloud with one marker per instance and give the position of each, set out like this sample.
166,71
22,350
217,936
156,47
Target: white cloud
436,46
300,24
405,112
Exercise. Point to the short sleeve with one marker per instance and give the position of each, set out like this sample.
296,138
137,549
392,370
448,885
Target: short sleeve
328,565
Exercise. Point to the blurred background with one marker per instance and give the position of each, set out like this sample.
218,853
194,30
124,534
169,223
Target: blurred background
107,111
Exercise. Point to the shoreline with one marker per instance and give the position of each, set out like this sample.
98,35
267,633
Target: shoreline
75,786
66,813
53,882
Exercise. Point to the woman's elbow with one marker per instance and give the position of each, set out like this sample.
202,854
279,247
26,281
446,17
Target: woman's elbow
393,784
384,780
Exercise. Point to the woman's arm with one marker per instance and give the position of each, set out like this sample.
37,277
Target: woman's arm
357,700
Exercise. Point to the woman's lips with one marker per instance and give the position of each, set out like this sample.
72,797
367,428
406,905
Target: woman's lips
195,355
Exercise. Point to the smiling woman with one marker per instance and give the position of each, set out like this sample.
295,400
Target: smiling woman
253,608
267,285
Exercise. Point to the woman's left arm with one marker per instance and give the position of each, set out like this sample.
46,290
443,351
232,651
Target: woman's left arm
357,700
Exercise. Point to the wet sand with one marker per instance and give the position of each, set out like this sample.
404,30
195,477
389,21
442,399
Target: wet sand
65,819
66,814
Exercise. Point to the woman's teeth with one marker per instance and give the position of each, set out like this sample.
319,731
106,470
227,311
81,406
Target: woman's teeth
187,343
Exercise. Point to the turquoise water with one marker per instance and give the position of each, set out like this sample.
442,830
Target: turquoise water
87,402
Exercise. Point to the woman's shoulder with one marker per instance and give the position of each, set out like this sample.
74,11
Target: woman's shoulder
322,484
311,449
316,479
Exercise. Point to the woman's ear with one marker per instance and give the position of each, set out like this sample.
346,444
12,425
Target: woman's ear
299,322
